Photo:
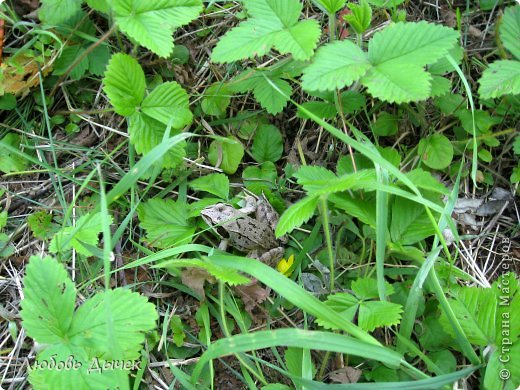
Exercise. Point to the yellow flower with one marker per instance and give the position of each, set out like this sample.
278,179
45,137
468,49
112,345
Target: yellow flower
284,266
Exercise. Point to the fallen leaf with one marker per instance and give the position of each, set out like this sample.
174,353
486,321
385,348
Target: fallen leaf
345,375
195,278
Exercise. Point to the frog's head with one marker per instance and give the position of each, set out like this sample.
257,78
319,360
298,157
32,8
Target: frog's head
218,214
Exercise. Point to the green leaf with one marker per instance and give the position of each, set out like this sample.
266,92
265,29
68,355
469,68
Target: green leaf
386,3
502,365
57,11
516,145
151,23
501,78
361,16
216,99
425,180
485,155
113,323
49,299
214,183
99,5
331,6
398,82
375,314
166,222
335,65
386,124
98,60
3,219
178,330
436,151
296,215
269,97
146,133
169,104
10,162
510,30
476,309
67,57
417,44
226,154
86,231
260,179
7,101
267,144
271,24
410,223
366,288
40,224
124,83
362,209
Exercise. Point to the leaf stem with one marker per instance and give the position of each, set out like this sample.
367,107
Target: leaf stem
324,209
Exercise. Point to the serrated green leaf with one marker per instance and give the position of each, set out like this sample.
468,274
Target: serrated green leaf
510,30
151,23
166,222
146,133
57,11
86,231
425,180
500,366
169,104
295,215
362,209
49,299
98,60
84,377
439,86
269,97
386,3
226,155
10,162
361,16
410,223
214,183
398,82
375,314
67,57
267,144
124,83
331,6
417,44
272,24
118,316
177,328
501,78
335,65
436,151
475,309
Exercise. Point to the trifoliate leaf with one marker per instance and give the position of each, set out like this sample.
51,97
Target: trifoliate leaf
119,316
151,23
436,151
166,222
267,144
331,6
501,78
226,154
360,17
214,183
335,65
57,11
49,299
124,83
169,104
10,162
271,24
86,231
510,30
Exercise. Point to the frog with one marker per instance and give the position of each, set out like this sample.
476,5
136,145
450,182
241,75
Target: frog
252,235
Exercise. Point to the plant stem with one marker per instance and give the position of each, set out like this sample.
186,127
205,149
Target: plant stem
325,215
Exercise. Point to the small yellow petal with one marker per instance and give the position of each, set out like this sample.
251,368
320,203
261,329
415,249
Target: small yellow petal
284,265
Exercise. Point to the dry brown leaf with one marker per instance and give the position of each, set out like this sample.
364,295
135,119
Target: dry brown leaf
195,278
20,75
252,294
345,375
